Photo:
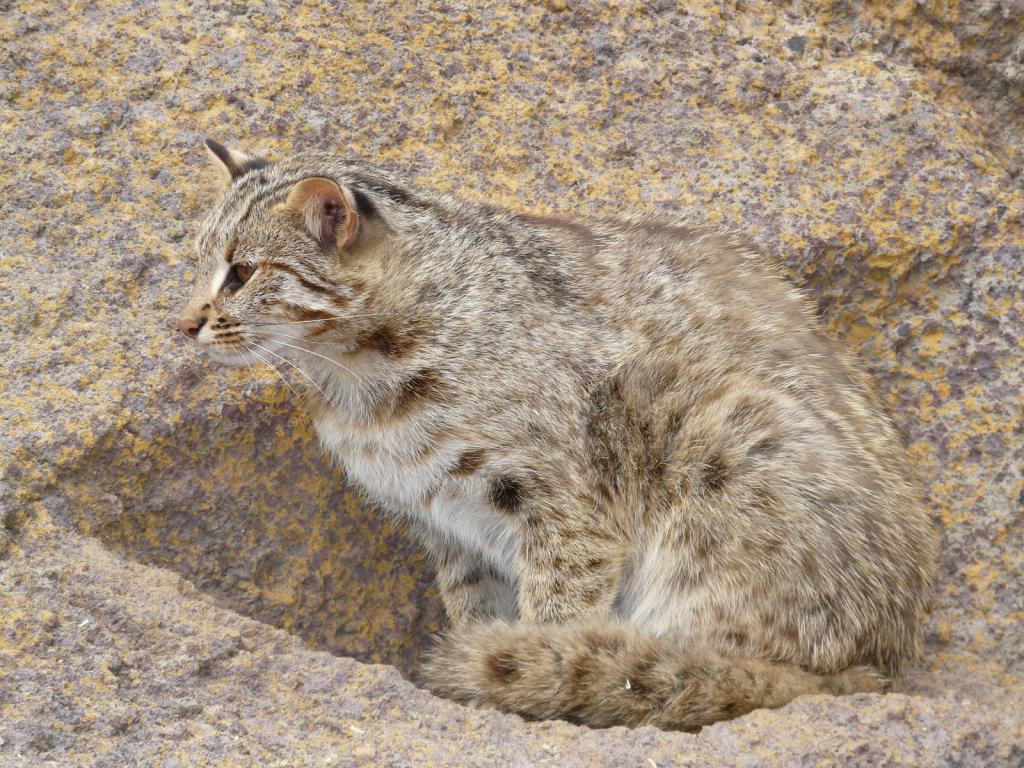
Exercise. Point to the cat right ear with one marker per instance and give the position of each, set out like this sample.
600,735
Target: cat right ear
328,210
231,163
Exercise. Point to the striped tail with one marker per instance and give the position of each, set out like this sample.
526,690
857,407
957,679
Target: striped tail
606,674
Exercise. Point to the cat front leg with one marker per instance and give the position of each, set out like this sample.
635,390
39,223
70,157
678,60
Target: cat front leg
469,589
567,564
562,581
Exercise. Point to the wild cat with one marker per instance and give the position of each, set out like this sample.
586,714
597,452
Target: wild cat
654,490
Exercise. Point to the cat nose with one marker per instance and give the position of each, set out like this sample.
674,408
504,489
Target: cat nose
191,326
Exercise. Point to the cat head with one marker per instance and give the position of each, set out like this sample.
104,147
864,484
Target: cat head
292,254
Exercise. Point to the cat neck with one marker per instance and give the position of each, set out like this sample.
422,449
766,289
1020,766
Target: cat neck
359,380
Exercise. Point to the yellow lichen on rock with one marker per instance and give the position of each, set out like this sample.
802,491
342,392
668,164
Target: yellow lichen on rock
873,147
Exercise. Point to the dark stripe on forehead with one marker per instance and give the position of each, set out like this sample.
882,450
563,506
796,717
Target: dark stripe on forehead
249,203
252,189
230,205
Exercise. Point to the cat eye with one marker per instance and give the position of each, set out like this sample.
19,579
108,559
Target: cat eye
244,271
238,276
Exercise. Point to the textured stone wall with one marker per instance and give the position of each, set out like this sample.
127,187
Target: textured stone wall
875,148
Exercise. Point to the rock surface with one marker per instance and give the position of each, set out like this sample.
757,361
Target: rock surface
155,508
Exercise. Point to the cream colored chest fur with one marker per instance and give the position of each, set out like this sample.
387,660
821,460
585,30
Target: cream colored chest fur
402,472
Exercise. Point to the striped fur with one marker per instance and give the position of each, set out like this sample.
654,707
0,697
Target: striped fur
628,447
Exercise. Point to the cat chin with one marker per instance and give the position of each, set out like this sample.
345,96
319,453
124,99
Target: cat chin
232,359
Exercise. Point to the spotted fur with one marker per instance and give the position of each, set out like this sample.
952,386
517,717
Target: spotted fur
654,490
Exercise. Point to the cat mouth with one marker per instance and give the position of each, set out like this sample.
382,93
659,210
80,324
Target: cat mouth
234,355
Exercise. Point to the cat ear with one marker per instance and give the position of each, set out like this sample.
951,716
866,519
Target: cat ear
231,162
328,210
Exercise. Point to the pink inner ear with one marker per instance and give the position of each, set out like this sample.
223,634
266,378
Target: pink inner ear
332,213
325,209
324,212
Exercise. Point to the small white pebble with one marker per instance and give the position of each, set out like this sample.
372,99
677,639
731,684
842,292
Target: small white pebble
359,731
629,685
82,623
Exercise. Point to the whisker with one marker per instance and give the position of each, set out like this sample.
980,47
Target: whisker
294,322
355,375
252,373
293,365
273,368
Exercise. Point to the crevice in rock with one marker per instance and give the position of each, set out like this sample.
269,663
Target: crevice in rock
245,507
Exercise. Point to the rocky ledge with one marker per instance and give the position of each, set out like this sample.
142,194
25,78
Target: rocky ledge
184,580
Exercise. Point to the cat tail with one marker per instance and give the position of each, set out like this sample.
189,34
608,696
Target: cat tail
607,673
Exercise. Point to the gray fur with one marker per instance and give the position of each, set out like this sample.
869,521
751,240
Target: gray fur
634,428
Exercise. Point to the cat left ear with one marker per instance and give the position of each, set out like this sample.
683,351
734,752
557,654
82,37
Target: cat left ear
327,209
233,163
